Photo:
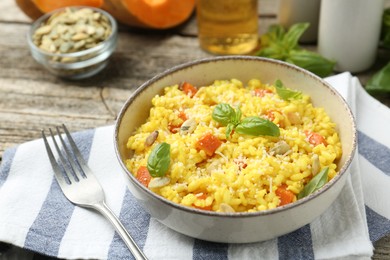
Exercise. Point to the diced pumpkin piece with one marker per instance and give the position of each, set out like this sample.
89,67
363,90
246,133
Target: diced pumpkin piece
208,143
182,115
188,89
286,196
143,176
315,138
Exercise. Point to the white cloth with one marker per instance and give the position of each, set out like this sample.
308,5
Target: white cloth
34,213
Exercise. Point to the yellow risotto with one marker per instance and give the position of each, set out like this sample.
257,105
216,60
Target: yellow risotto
230,147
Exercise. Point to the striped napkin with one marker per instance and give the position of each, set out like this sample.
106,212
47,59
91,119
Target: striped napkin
34,214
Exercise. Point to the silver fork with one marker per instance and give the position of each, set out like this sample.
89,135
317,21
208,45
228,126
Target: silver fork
80,185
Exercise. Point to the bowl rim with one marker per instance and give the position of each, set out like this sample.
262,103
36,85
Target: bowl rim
110,39
342,171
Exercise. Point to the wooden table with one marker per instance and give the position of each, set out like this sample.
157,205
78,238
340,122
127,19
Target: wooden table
31,98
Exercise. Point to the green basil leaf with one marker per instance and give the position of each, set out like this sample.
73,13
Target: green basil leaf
315,184
272,43
223,114
312,62
273,52
237,117
292,36
276,32
274,35
286,93
159,160
256,126
380,82
229,130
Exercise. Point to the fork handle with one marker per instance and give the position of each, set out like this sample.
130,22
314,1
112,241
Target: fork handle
107,212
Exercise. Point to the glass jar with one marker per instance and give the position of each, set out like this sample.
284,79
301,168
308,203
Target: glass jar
227,26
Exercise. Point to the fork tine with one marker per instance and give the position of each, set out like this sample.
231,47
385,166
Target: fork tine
78,174
58,173
79,158
69,170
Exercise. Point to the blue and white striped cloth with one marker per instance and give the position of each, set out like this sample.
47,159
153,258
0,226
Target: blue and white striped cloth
34,214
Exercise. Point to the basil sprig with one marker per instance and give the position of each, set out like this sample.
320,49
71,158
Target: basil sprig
315,184
255,126
283,45
159,160
286,93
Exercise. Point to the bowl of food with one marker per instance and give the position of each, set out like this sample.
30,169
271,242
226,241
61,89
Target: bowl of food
73,42
235,149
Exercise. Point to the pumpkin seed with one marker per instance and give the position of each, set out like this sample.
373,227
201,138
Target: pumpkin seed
67,36
90,45
90,30
294,118
188,127
315,165
68,59
280,148
151,138
78,45
226,208
65,47
214,165
96,16
43,30
79,36
158,182
99,32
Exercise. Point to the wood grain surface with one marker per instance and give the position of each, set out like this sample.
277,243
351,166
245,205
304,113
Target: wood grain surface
32,99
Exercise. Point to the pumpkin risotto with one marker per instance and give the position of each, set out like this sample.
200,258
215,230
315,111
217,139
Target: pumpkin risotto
230,147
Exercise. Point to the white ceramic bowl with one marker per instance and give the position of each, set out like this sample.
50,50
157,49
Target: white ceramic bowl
237,227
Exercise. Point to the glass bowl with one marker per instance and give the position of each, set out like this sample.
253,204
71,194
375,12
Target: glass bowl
79,64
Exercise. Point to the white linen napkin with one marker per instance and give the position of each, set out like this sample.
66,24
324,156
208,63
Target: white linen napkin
34,214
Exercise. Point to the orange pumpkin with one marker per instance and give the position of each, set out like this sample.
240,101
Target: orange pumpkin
154,14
